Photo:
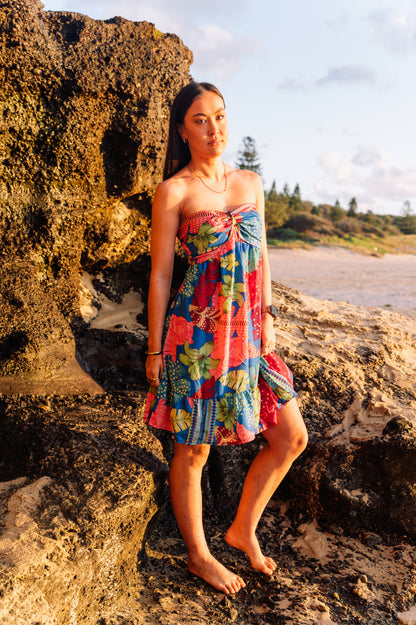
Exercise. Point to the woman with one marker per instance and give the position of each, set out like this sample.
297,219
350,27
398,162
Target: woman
205,378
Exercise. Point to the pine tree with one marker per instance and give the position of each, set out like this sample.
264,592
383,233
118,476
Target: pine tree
248,157
272,194
407,221
295,201
352,208
275,208
336,213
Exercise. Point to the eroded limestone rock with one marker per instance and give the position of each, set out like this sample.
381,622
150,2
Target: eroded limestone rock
73,527
355,370
84,108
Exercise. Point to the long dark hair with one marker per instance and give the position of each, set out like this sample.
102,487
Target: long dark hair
177,153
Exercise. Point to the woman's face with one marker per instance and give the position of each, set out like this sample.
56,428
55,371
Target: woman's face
205,126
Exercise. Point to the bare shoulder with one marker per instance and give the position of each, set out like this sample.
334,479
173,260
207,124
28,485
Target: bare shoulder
247,184
170,193
248,174
168,190
245,177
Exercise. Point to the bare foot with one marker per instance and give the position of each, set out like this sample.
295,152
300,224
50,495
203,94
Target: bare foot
250,546
215,574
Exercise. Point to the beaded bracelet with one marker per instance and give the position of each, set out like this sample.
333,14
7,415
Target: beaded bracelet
153,353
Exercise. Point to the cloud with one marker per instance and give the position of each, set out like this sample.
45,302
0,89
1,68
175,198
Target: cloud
217,52
338,23
341,75
347,74
367,156
293,84
395,29
145,9
338,169
217,48
369,175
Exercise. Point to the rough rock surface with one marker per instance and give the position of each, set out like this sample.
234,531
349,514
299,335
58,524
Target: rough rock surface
83,119
357,369
340,526
91,479
86,529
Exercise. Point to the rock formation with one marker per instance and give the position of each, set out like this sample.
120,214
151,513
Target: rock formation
357,369
89,529
86,530
84,108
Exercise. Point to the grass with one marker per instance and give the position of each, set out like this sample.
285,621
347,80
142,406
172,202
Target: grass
370,245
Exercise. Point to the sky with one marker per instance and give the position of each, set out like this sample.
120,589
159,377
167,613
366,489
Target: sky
327,88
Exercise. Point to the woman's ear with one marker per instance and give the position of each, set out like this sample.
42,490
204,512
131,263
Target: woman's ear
181,133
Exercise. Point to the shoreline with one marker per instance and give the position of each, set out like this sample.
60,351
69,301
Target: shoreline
364,247
311,247
339,274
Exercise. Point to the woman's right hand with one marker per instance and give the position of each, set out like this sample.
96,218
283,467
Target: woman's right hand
154,368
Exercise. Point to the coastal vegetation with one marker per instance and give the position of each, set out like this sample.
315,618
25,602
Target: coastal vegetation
292,221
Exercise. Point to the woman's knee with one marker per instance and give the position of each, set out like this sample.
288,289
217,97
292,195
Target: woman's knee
295,443
289,438
299,440
194,455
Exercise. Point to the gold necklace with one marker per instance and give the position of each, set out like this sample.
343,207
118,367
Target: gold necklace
205,184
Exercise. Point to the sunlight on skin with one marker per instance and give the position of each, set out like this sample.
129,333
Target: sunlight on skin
217,575
250,546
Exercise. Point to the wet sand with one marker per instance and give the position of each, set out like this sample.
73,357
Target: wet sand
336,274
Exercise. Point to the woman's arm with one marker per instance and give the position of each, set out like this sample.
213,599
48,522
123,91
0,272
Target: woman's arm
267,331
165,224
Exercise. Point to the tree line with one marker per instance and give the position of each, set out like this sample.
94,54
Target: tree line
287,215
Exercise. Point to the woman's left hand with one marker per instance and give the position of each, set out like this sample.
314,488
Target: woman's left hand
154,368
268,338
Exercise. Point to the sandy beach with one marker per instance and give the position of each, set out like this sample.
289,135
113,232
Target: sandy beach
336,274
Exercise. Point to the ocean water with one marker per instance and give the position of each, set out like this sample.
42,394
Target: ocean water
336,274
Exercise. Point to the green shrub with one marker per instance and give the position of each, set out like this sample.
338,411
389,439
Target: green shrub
284,234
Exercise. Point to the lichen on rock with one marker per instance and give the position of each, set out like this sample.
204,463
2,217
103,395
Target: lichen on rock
84,108
86,529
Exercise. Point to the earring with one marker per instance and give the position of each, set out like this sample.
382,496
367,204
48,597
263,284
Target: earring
184,139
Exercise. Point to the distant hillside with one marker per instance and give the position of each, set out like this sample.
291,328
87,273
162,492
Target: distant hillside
293,221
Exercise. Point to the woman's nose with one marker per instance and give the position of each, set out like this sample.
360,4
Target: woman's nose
213,128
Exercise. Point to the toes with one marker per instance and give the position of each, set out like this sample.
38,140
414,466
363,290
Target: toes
270,569
237,584
268,566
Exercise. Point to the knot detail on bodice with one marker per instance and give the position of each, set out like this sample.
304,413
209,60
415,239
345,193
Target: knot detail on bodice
210,234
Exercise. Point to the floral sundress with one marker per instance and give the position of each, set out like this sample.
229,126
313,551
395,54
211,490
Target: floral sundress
209,390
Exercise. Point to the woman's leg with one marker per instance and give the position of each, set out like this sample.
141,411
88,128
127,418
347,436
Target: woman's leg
186,497
285,442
